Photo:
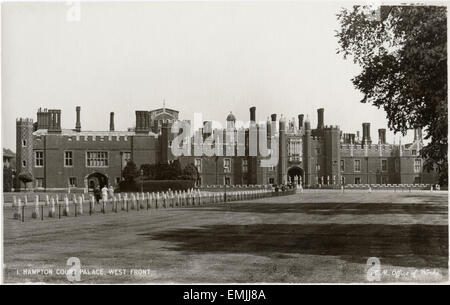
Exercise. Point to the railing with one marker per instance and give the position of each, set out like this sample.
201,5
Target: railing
78,205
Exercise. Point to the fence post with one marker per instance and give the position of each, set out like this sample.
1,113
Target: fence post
51,211
17,214
35,213
91,204
80,200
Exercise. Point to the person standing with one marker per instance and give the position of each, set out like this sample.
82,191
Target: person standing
97,193
105,193
111,191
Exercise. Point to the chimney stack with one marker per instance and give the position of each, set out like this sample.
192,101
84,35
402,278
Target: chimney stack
300,121
320,124
273,117
253,114
78,123
142,122
417,134
111,121
382,135
366,133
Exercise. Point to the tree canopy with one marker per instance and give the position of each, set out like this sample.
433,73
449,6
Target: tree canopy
130,172
402,51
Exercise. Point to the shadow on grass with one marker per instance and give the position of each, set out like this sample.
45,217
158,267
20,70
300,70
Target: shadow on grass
331,208
419,246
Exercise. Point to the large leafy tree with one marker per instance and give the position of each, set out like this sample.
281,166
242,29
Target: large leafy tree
402,51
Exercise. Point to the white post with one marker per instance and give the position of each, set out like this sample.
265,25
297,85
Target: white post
52,210
66,206
18,213
80,202
35,213
133,201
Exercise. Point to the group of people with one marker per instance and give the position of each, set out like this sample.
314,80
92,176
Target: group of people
103,193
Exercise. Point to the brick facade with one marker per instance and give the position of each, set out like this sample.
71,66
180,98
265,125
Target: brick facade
59,158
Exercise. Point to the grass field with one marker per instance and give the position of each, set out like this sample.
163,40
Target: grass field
310,237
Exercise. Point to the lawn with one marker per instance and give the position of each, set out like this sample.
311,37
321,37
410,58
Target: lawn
309,237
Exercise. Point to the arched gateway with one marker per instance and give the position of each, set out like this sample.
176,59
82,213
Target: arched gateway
296,174
94,179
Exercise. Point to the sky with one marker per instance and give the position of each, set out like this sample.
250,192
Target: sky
210,58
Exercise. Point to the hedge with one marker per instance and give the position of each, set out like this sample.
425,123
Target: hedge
156,185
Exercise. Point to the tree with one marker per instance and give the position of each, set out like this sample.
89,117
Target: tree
403,56
130,172
25,178
190,172
7,179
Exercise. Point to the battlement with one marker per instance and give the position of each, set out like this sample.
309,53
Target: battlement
24,121
332,127
370,147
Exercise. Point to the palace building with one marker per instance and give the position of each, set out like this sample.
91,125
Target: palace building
75,158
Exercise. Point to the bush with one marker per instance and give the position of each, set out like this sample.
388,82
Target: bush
156,185
130,172
25,177
190,172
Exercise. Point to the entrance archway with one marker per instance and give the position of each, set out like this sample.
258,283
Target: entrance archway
294,175
94,179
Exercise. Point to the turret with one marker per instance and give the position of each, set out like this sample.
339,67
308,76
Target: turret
24,147
307,124
300,121
282,162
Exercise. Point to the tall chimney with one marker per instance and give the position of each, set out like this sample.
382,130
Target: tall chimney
366,133
382,135
78,123
320,118
300,121
273,117
253,114
111,121
417,134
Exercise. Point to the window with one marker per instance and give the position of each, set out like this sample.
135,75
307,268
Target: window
342,165
24,143
227,165
227,180
97,159
357,166
126,156
417,165
317,167
38,158
271,180
357,180
72,182
68,158
39,182
244,166
198,164
414,152
24,163
384,165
